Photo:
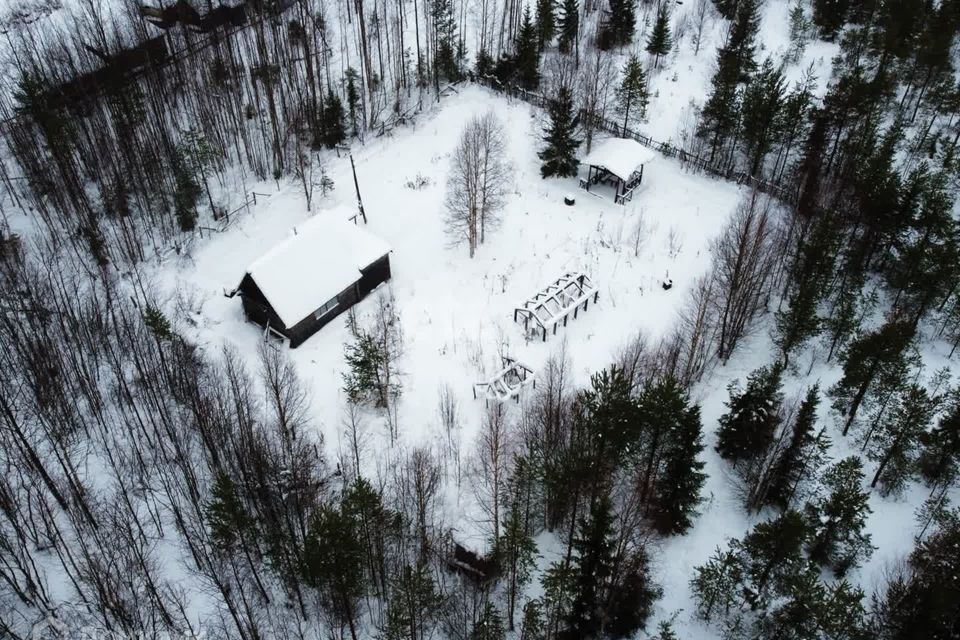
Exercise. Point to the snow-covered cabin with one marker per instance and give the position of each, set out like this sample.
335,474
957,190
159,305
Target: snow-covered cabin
325,267
617,162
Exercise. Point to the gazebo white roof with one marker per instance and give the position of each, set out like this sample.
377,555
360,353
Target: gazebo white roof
321,258
619,156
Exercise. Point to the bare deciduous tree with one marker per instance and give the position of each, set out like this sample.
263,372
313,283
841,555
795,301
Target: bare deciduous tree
492,466
478,182
745,257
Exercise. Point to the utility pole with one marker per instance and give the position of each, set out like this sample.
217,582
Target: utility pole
356,185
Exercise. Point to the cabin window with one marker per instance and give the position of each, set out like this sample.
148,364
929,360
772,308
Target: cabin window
329,306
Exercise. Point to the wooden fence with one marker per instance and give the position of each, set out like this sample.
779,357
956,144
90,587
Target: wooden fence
688,158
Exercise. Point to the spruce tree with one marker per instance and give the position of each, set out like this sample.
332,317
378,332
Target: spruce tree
160,328
527,56
726,8
939,462
533,626
894,446
546,23
660,40
763,102
633,594
677,488
186,193
632,95
877,356
922,601
838,518
445,41
333,115
569,26
748,428
802,456
559,156
489,626
592,569
353,99
771,555
516,550
619,21
227,517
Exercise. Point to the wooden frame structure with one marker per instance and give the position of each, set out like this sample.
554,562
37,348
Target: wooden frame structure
623,189
617,162
555,302
508,382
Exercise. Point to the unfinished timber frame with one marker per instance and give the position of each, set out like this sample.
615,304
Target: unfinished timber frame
508,382
556,302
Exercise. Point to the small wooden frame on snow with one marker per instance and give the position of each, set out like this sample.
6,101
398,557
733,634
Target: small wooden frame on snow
507,383
556,302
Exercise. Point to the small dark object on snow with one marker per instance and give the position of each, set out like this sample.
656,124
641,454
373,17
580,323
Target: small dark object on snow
668,284
569,201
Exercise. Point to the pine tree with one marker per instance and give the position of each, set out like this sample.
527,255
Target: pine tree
939,461
333,562
558,592
754,414
546,23
559,156
619,21
632,94
660,40
413,606
801,458
527,53
489,626
837,519
763,102
877,356
923,267
894,446
592,569
569,26
333,115
716,583
677,489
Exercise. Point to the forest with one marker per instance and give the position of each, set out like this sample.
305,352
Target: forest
163,482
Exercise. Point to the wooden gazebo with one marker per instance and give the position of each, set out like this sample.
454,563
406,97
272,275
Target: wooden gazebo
617,162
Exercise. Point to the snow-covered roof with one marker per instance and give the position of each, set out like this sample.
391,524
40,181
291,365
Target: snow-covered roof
321,258
619,156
